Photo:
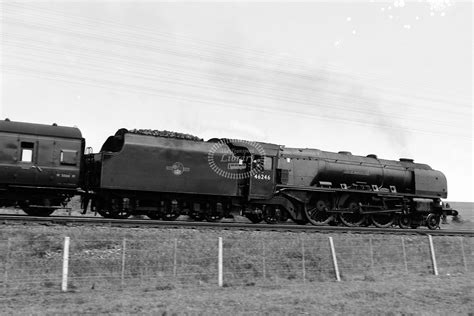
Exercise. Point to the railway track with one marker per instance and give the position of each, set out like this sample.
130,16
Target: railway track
227,225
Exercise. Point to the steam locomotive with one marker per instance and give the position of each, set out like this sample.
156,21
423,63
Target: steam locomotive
164,175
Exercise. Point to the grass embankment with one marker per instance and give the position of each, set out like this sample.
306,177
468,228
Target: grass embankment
176,270
405,295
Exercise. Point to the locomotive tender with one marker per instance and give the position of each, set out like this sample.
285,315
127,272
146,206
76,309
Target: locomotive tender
164,175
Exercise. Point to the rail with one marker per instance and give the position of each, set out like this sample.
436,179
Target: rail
227,225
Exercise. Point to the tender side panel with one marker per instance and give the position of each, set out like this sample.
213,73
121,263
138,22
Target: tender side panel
159,164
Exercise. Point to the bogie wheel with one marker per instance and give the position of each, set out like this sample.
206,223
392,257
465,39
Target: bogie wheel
383,220
317,212
269,215
404,221
352,218
432,221
40,212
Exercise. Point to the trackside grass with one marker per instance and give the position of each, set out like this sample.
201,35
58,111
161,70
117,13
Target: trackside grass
402,295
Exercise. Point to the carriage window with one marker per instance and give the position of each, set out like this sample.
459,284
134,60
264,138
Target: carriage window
68,157
267,163
27,152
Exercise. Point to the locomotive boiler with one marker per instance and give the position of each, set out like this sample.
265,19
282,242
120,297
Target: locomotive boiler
356,190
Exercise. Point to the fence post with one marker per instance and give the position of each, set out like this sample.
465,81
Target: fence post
264,268
433,257
462,252
122,275
65,264
371,255
404,255
303,260
7,262
220,278
334,259
175,257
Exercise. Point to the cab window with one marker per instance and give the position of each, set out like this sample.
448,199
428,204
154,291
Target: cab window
27,152
267,163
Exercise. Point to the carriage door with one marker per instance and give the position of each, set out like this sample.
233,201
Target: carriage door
26,170
262,182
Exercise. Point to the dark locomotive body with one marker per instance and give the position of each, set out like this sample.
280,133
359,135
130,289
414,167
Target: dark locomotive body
40,165
164,175
157,176
360,190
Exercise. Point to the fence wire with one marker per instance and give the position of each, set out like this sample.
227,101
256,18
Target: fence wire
36,264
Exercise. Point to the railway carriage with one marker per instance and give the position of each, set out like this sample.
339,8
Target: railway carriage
40,165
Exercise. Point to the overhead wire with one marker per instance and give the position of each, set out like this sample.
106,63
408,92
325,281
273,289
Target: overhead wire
338,92
198,98
329,104
213,60
139,31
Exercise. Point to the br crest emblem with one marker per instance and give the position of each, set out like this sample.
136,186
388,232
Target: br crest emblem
177,168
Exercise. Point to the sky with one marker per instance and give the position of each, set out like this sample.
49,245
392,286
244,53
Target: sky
391,78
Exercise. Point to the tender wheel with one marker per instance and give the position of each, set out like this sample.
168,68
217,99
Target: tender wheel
196,216
317,213
213,217
404,221
215,212
121,214
383,220
113,208
197,211
269,215
432,221
255,218
254,214
171,211
154,215
113,214
354,218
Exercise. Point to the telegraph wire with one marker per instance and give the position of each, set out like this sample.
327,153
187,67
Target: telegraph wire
198,98
322,103
207,43
273,77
